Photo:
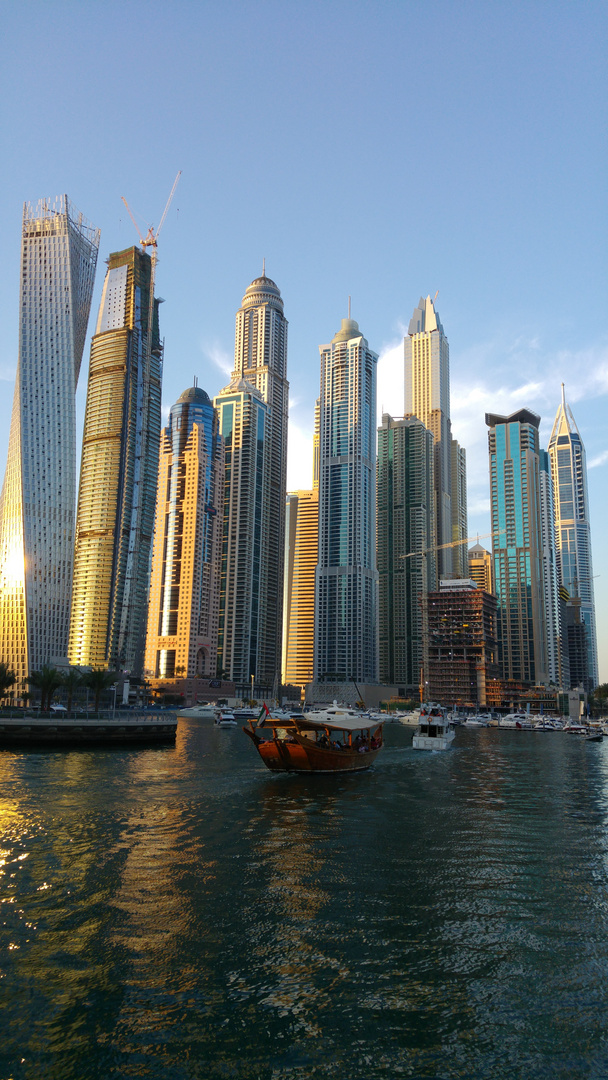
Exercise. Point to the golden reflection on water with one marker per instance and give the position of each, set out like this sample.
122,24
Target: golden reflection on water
297,977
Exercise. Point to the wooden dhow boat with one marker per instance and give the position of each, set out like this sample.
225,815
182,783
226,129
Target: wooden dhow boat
333,740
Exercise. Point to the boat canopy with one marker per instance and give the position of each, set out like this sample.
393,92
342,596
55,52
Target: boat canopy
341,722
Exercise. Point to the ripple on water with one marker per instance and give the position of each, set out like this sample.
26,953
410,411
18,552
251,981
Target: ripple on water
181,912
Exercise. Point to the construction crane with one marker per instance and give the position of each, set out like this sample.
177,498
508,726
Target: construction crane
151,241
151,237
452,543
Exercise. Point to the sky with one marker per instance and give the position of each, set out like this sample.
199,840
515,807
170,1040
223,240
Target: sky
384,150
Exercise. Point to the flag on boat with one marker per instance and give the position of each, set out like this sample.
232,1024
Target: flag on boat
263,713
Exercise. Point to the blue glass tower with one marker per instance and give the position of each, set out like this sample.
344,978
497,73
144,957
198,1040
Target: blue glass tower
517,545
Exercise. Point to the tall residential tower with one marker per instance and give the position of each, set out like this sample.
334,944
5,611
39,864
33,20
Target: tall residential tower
406,529
427,396
58,260
119,472
515,504
247,637
183,612
572,528
346,606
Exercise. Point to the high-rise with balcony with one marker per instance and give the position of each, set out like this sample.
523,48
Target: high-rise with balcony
346,607
183,610
427,396
301,554
247,636
119,472
254,531
550,582
58,259
405,549
572,528
515,504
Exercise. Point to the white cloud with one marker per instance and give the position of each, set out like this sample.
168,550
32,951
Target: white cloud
218,356
600,459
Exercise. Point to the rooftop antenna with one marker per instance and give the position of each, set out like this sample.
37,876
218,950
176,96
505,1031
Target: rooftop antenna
435,297
264,267
563,397
196,380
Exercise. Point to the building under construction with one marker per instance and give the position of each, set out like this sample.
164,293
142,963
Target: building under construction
461,627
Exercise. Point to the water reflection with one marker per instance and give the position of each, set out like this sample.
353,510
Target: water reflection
180,912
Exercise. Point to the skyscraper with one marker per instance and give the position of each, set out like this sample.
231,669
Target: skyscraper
406,525
458,500
301,553
184,606
248,634
572,528
427,396
260,359
346,629
550,583
517,546
58,260
119,471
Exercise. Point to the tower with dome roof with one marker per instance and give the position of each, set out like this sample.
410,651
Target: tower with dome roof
183,609
253,412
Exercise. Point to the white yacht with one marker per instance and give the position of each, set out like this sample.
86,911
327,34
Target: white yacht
434,731
226,719
203,711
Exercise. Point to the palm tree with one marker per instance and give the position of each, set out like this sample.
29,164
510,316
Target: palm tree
71,680
7,678
47,680
98,679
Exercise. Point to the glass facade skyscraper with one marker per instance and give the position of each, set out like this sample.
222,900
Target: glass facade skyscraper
183,610
572,528
119,472
260,362
58,259
517,546
247,636
406,524
550,584
346,606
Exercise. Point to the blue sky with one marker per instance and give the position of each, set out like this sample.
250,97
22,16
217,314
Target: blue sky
383,150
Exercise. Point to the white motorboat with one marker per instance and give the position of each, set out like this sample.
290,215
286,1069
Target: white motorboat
203,711
226,719
434,731
477,720
514,720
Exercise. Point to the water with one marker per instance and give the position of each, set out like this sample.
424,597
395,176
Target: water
181,913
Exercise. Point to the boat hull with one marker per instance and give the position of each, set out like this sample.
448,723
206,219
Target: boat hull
437,742
282,755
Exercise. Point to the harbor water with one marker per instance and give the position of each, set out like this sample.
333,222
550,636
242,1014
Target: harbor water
178,912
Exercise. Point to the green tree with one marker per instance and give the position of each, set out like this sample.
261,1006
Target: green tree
7,679
71,680
98,680
47,681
